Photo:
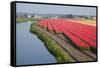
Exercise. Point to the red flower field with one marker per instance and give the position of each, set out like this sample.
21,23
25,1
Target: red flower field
80,34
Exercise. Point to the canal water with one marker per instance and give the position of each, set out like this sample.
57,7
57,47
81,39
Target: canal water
29,49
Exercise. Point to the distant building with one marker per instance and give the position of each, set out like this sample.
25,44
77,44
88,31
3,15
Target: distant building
29,16
83,18
37,16
94,18
54,17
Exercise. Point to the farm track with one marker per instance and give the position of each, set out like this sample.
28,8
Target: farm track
74,53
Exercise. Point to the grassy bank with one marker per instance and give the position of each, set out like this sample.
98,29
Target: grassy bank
23,19
51,45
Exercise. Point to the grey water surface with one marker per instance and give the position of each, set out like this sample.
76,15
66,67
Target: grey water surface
30,49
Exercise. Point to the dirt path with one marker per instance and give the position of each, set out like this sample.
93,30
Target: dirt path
76,54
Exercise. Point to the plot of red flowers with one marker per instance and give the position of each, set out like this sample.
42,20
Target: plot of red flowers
80,34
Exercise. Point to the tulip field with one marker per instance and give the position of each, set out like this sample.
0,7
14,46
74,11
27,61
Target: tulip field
82,35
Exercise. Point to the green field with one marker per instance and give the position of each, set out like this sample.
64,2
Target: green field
24,19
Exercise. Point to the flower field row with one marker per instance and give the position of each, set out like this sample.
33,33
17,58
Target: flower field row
80,34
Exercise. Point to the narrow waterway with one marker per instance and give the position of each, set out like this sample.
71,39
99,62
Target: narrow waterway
29,49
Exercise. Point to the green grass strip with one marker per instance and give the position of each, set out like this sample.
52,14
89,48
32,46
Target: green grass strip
24,19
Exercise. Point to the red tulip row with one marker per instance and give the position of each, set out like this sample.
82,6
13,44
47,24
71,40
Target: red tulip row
80,34
76,32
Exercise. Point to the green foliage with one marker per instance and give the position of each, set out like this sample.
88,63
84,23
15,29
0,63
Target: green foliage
51,45
94,50
20,19
24,19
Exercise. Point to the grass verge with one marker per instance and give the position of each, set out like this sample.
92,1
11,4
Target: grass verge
23,19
